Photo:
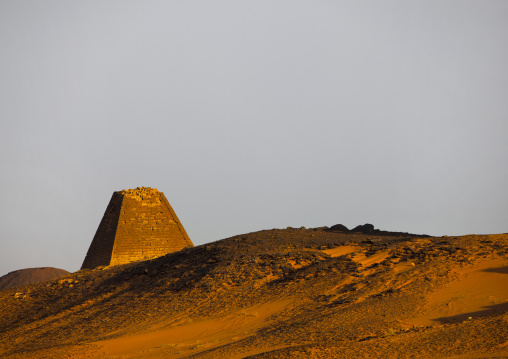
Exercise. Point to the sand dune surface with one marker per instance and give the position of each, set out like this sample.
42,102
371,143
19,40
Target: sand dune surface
293,293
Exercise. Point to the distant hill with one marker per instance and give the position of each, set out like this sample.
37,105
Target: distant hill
28,276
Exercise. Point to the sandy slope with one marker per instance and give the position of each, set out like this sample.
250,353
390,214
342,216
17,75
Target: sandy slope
276,294
477,290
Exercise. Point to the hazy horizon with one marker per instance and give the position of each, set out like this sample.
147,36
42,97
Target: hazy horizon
250,115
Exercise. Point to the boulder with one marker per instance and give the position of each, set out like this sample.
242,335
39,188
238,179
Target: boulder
365,229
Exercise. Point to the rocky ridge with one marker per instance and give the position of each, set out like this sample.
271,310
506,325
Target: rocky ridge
277,293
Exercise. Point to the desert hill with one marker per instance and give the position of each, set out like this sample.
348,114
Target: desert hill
28,276
318,293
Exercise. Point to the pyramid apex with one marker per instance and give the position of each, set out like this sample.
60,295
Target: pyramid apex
140,191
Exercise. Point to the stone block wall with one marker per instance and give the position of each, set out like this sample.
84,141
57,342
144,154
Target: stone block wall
99,253
144,226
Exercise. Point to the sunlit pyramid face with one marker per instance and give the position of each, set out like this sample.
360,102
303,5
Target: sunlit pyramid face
138,224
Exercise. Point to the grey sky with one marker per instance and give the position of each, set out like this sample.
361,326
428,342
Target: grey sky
250,115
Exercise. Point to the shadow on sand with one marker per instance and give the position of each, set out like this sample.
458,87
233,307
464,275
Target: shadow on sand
503,270
491,309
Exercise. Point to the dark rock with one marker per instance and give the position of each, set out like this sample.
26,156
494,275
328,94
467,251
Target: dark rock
339,228
365,229
452,250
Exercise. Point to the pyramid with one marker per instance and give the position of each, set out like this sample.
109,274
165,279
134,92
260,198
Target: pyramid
138,224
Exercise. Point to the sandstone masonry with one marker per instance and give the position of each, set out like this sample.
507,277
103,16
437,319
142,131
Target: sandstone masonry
138,224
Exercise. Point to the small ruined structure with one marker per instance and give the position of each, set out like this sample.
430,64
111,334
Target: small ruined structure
138,224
